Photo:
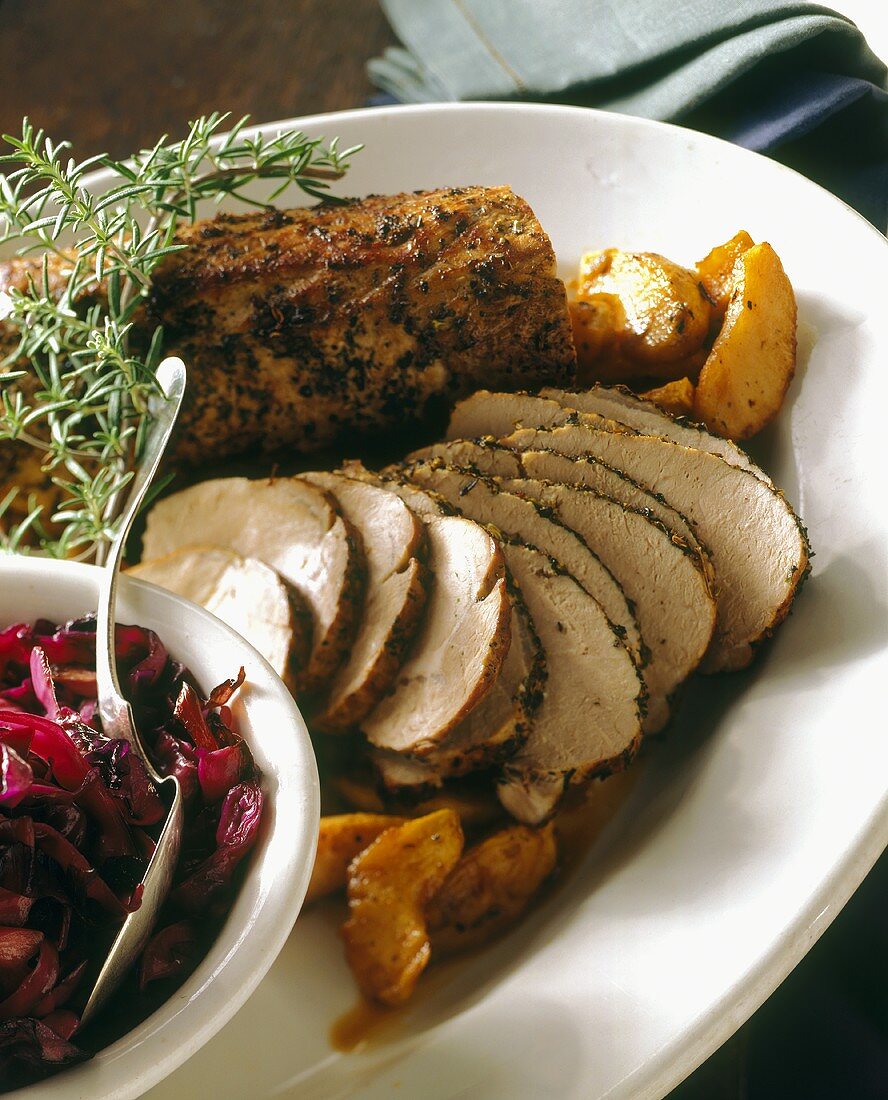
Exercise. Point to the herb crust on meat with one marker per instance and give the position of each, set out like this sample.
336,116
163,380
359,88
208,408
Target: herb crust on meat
301,325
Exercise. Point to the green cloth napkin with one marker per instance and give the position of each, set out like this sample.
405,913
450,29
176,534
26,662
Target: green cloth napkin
655,58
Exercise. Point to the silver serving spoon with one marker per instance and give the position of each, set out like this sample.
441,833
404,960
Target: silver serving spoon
116,713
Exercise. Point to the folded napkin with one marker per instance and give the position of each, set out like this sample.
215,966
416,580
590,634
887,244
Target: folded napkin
792,79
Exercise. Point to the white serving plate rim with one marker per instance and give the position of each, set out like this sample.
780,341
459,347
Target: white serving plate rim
675,1059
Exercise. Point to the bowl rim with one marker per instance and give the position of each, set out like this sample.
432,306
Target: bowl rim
162,1042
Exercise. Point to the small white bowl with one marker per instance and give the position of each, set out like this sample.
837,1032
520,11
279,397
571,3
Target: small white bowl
280,866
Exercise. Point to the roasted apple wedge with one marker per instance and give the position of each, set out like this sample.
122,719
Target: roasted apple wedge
341,838
716,267
390,884
675,398
744,381
490,888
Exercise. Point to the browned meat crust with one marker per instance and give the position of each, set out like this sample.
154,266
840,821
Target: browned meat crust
299,326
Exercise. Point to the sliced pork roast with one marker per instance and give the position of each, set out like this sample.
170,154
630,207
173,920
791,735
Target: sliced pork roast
624,407
492,731
516,518
477,416
497,724
296,529
244,593
589,717
588,721
597,475
758,548
664,579
392,538
459,647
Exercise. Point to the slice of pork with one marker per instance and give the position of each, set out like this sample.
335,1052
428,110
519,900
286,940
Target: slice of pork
491,457
420,503
621,405
492,731
499,723
758,548
392,537
459,647
242,592
589,720
295,529
477,415
516,518
664,579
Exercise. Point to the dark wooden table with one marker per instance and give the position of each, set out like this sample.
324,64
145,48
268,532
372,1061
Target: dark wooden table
114,77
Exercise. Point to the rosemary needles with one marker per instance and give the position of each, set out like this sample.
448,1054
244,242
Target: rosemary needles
78,358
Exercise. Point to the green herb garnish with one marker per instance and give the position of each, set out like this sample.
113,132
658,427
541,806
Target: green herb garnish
74,387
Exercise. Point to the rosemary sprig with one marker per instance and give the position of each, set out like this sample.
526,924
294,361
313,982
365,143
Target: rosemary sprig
73,388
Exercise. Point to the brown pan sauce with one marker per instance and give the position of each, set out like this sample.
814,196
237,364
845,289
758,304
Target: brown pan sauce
578,824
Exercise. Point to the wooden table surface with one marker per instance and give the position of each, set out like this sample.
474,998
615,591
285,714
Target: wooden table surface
113,77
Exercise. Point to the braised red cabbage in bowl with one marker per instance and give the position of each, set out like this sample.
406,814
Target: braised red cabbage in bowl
78,821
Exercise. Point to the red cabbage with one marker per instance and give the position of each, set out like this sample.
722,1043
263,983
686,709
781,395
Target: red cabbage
58,995
220,694
148,670
189,713
170,952
41,682
220,770
79,818
14,908
62,1022
16,777
39,980
235,835
17,947
29,1050
16,731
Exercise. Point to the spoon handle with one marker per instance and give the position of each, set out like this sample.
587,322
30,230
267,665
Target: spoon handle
114,710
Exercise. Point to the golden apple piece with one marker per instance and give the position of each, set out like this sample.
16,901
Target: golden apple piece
597,321
744,381
676,398
715,270
491,887
341,838
390,884
663,316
